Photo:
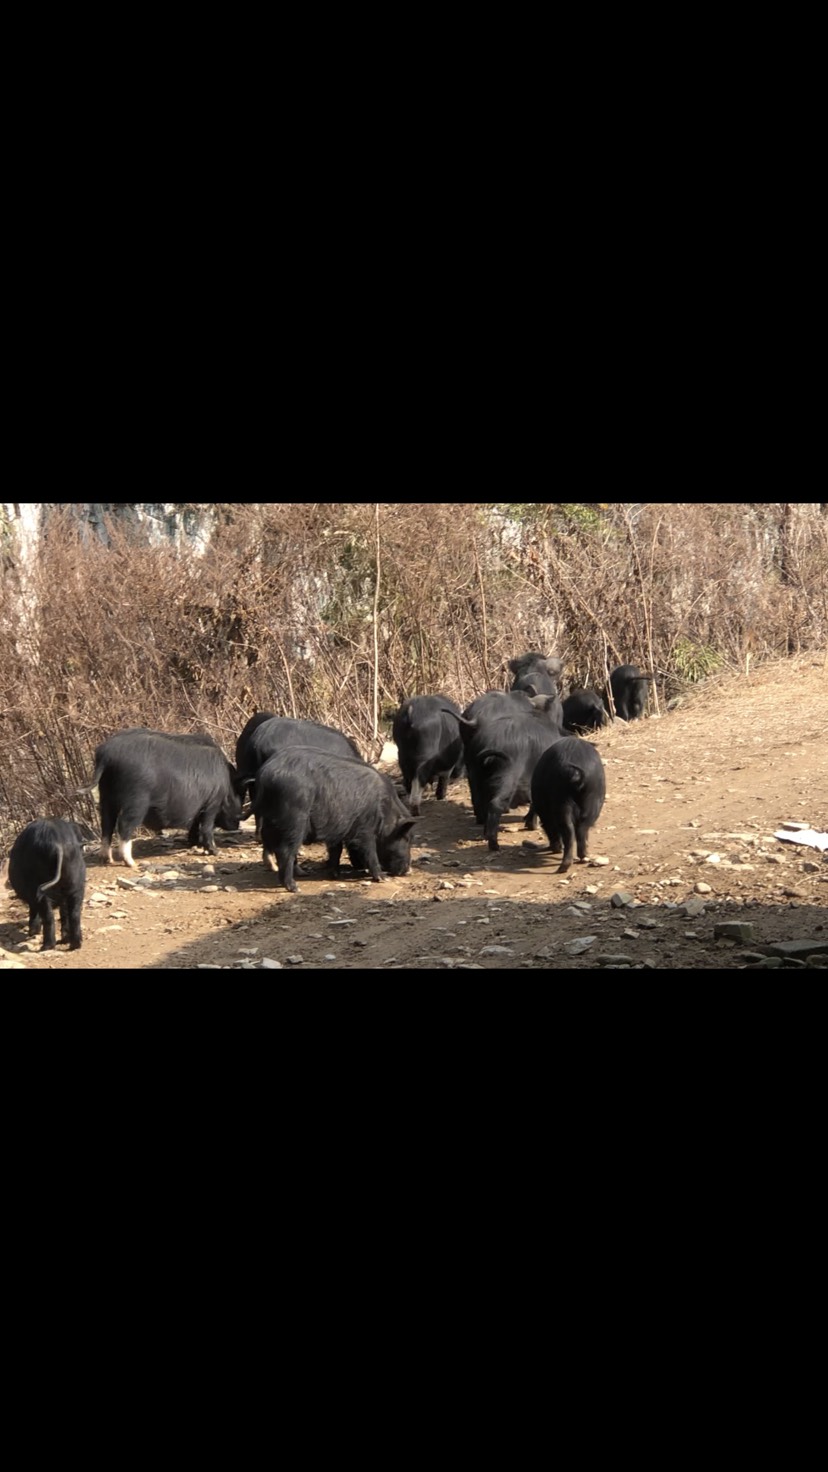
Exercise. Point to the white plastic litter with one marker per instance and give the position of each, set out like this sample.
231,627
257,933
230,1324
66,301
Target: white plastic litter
805,835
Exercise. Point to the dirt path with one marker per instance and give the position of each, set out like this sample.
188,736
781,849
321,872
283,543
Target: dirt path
716,776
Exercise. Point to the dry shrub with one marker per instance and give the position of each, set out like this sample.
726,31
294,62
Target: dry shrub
277,614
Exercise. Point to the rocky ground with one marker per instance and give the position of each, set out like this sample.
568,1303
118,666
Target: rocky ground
684,845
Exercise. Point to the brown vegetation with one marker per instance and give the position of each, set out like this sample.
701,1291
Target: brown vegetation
283,612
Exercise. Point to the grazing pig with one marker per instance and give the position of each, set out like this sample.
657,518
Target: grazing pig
46,868
492,706
502,745
568,791
261,739
583,710
155,780
308,796
243,743
537,674
428,744
629,691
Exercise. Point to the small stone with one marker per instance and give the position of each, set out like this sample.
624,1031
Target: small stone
294,960
125,883
171,874
808,867
209,889
693,907
613,959
579,945
266,964
332,923
713,859
248,950
329,956
620,899
497,951
691,935
735,930
211,869
598,863
445,884
357,942
646,924
802,948
702,888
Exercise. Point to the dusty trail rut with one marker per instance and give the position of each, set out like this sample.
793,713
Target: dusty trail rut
715,777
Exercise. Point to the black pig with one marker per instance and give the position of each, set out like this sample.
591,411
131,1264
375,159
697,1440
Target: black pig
428,745
46,868
309,796
568,791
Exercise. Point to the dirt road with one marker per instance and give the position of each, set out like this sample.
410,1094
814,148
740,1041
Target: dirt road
715,777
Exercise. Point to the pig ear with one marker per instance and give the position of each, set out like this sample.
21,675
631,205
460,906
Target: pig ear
515,665
531,691
403,827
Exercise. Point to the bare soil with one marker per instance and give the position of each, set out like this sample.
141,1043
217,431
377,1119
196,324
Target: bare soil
714,777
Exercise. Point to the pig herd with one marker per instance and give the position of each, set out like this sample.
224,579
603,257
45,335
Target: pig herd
308,783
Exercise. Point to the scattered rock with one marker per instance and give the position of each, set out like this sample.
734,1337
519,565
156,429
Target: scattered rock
735,930
598,863
579,945
294,960
332,923
444,883
497,951
266,964
613,959
646,924
702,888
126,883
801,948
620,899
208,889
